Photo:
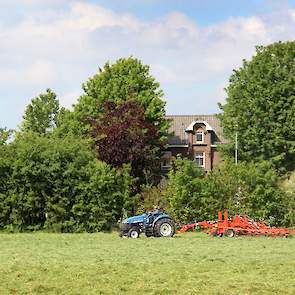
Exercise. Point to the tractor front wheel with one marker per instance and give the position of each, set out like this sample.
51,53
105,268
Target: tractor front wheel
133,232
164,228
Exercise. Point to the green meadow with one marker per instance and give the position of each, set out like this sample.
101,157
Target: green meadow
102,263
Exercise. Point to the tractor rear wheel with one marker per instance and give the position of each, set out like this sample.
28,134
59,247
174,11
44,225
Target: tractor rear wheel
165,227
229,233
133,232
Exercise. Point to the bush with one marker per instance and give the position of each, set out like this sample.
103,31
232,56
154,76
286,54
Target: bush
55,183
288,185
251,189
246,188
153,197
185,191
101,199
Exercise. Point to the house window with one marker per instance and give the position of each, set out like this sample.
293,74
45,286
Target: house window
199,136
185,137
200,159
167,160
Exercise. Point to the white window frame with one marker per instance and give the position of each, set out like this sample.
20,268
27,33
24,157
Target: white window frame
167,155
200,157
200,132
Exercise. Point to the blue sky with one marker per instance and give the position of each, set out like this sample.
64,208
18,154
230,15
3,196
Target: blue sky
192,46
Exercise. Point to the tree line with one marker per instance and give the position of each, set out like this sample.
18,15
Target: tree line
83,169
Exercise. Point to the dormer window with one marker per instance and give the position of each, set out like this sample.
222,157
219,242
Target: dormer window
200,136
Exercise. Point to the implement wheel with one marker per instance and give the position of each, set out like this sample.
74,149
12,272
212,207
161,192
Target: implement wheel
215,233
164,228
229,233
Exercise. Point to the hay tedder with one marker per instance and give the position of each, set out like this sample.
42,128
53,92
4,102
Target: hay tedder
239,225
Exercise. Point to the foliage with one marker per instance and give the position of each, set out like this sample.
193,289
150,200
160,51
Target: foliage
251,189
122,135
68,125
288,185
58,184
6,155
246,188
153,197
41,114
127,79
4,135
185,191
102,197
261,106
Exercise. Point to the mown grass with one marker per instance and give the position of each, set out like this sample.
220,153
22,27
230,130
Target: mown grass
41,263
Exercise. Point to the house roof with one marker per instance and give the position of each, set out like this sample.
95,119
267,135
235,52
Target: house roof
180,123
192,125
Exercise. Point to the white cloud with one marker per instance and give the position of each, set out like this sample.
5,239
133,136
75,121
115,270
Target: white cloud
66,99
39,72
240,28
292,14
61,48
90,17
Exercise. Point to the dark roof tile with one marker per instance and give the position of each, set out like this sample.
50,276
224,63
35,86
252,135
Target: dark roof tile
181,122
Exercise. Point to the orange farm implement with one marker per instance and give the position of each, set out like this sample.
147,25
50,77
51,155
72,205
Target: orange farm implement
239,225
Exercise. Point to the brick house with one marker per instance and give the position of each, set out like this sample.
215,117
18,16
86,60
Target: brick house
195,137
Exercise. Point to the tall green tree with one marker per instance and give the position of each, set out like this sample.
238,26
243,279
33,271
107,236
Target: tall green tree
260,106
4,135
42,113
126,79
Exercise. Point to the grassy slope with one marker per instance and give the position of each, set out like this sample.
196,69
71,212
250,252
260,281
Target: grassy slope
105,264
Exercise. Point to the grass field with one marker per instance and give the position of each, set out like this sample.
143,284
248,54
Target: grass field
41,263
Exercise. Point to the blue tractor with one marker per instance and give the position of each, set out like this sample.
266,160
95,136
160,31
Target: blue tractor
153,224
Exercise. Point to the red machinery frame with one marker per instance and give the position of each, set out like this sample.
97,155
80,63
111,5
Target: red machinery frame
239,225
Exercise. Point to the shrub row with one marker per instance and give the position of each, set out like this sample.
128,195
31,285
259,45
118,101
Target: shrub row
246,188
53,184
253,189
58,185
